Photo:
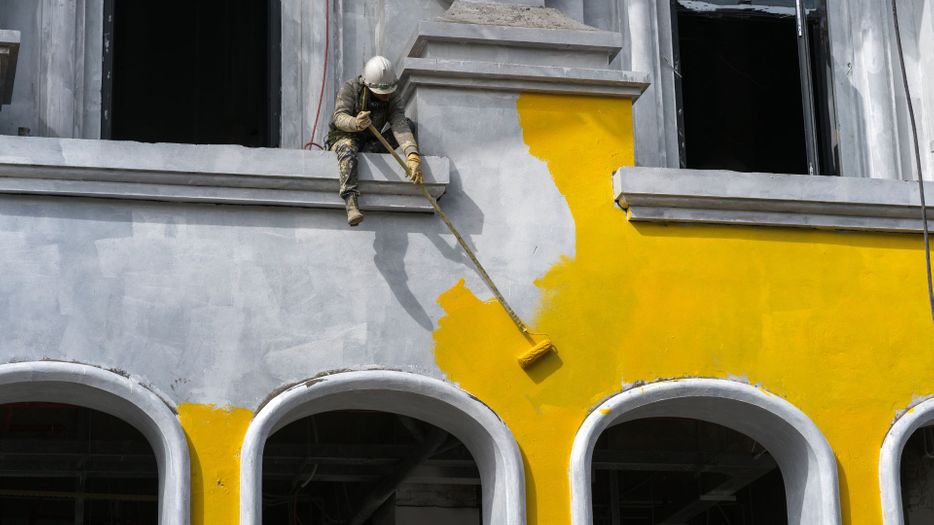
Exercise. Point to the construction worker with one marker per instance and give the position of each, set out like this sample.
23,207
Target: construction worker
363,101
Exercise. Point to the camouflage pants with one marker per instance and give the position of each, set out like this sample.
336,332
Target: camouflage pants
347,149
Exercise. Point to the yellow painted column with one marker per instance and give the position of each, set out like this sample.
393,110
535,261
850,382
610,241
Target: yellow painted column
215,436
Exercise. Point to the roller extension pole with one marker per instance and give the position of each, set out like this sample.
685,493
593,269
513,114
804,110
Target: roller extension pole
537,350
460,239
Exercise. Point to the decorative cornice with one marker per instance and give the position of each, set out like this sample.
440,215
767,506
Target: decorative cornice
518,59
766,199
516,77
217,174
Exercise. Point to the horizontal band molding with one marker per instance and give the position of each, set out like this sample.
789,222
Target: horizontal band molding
520,77
220,174
767,199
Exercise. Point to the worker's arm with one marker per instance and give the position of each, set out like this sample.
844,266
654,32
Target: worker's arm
400,128
344,117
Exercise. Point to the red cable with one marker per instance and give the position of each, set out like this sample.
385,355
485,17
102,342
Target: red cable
324,74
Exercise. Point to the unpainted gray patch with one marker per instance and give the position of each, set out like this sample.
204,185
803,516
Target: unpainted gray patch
510,15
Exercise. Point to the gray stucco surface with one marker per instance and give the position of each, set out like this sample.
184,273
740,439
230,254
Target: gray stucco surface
224,304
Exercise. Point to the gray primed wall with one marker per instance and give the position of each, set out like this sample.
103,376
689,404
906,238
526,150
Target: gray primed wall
218,304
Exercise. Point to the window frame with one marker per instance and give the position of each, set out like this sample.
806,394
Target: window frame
860,33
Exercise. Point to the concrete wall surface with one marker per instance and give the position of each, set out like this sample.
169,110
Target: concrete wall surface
218,309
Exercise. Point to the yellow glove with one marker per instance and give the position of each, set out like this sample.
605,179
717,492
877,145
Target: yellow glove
362,120
414,163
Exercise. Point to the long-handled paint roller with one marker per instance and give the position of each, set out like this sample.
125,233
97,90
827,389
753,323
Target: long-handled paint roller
538,349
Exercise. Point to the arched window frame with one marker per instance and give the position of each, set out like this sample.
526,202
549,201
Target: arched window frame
115,394
890,458
806,461
431,400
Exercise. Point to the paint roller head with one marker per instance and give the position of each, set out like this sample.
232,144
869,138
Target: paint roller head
535,353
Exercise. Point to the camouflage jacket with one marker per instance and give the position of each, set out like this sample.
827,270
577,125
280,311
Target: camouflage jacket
350,102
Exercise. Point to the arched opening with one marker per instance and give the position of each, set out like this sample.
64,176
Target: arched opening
65,465
906,466
917,477
376,400
367,467
115,402
684,471
807,466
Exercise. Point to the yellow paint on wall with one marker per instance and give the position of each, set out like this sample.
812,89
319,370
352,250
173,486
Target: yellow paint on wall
215,435
837,323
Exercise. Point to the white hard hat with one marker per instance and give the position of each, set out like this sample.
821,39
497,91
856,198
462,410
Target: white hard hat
379,76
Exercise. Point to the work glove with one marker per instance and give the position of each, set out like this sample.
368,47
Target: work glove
414,163
362,120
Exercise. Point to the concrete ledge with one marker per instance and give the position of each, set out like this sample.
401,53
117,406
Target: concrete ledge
218,174
765,199
466,74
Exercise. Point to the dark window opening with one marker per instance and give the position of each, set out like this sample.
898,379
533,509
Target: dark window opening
68,465
367,467
917,477
684,471
741,92
204,72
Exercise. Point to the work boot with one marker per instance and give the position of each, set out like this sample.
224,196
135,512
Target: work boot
354,217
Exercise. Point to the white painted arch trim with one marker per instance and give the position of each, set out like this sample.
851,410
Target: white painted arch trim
112,393
431,400
806,460
890,458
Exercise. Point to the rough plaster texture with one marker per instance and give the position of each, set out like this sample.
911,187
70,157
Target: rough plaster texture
806,460
486,437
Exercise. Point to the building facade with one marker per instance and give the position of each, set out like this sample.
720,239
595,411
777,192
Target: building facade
712,210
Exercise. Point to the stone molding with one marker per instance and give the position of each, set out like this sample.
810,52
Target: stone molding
807,462
517,59
890,458
122,397
767,199
216,174
431,400
517,77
